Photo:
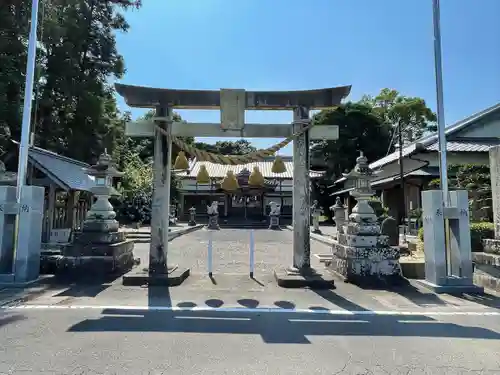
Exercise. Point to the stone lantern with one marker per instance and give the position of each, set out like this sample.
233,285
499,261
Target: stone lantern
192,217
100,247
361,176
101,215
361,254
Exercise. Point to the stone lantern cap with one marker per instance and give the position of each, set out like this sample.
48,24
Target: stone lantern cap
362,176
104,167
361,169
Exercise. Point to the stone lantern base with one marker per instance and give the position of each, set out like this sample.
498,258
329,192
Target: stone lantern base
362,256
98,250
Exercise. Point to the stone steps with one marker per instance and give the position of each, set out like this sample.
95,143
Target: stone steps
487,270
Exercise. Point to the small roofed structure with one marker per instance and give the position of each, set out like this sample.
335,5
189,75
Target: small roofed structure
67,191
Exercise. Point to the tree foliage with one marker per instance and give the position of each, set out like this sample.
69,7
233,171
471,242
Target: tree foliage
477,181
411,113
359,130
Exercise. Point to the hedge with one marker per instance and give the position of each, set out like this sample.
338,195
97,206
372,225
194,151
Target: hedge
478,232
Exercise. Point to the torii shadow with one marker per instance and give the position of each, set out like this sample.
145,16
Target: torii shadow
281,327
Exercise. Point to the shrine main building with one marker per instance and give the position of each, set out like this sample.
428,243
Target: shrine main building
247,202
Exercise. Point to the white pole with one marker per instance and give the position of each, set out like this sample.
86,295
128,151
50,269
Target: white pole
443,171
22,166
252,253
24,144
209,254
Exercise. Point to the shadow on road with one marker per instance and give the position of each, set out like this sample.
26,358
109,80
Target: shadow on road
278,328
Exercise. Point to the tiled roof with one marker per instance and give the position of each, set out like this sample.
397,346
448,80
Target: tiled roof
465,146
67,172
265,166
430,142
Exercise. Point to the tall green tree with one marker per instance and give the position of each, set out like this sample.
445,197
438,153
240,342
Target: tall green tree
410,114
360,129
14,29
76,112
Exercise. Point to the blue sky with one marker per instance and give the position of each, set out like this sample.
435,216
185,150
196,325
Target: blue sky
307,44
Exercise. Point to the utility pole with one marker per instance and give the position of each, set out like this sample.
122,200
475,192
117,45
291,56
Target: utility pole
402,177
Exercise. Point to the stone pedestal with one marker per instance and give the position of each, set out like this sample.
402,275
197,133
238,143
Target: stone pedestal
361,255
274,222
213,222
98,250
22,266
441,277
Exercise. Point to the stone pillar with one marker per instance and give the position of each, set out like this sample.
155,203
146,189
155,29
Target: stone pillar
492,245
495,186
434,214
160,214
301,192
300,273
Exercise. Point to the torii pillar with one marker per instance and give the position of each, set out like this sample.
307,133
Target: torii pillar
232,104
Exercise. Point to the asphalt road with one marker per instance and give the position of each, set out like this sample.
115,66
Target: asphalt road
256,327
71,341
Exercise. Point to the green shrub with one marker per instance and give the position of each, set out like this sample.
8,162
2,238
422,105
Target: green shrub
478,232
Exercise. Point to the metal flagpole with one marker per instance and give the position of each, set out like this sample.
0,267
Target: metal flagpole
443,171
443,167
28,98
22,166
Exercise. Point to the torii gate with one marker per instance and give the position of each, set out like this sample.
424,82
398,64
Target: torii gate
232,104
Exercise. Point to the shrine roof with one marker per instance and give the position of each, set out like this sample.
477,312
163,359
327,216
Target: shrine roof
149,97
265,167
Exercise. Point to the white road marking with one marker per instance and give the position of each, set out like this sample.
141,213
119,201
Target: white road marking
257,310
210,318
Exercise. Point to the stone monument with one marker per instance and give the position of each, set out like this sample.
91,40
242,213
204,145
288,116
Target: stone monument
192,217
389,227
452,275
361,254
19,265
100,248
316,213
274,216
213,216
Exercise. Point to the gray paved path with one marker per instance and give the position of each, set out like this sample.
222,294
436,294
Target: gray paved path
107,329
134,342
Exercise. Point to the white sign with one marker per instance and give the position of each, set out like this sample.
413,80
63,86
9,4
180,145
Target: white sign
60,235
324,132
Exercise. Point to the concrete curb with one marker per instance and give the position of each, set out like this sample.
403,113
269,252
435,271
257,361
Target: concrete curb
317,237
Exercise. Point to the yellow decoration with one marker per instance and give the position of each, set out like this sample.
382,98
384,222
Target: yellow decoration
181,161
278,165
203,177
230,183
256,178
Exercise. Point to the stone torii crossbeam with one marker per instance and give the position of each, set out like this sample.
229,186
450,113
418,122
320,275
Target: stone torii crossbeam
232,104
